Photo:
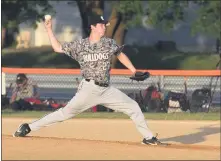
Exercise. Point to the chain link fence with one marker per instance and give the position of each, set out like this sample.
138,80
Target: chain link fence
62,87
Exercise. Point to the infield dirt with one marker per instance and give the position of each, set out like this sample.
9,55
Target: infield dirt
104,139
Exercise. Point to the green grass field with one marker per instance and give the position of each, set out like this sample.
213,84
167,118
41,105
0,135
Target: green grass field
146,58
115,115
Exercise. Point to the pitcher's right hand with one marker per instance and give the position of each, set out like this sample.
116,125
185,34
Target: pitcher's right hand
48,24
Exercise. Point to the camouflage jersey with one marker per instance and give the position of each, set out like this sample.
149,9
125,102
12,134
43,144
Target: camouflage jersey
94,59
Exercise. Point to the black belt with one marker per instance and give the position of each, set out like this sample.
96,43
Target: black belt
98,83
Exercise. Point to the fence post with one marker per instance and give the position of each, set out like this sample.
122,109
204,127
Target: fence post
3,84
162,82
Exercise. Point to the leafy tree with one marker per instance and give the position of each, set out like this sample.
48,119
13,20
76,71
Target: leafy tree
124,14
85,7
15,12
165,14
209,18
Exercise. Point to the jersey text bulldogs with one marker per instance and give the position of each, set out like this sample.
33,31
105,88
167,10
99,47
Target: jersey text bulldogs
95,57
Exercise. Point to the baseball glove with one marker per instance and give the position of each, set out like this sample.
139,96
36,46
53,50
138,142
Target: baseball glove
140,76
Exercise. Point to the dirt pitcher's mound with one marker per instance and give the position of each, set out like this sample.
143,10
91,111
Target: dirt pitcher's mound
111,139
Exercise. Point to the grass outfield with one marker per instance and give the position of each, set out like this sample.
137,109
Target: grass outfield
148,58
213,116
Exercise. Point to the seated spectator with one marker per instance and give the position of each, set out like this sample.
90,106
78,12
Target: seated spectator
24,91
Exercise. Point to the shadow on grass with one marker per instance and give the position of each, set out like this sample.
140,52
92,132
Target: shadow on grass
151,58
142,57
39,59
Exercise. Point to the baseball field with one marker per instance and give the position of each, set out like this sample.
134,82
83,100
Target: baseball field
113,137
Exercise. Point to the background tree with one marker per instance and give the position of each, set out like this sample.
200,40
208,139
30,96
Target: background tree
85,7
209,19
165,14
124,14
15,12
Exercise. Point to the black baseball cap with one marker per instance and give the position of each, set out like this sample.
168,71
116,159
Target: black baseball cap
20,78
95,19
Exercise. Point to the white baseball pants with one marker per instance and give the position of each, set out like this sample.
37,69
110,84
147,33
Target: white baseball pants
90,95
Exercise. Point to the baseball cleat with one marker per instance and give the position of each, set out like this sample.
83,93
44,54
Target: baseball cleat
153,141
22,131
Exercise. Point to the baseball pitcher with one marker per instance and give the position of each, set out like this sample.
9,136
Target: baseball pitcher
94,56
